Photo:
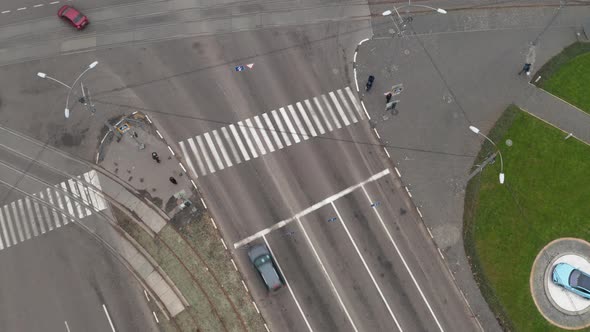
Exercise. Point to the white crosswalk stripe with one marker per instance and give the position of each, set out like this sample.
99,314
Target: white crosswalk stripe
272,130
275,115
267,132
256,137
214,150
264,133
222,148
314,116
35,215
306,120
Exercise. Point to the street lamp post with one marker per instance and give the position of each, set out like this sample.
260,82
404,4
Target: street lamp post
476,130
70,88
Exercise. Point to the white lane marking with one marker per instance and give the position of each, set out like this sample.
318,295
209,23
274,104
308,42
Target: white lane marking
289,125
234,132
10,226
298,122
231,144
248,140
53,2
287,283
101,203
314,116
25,221
317,257
321,109
67,326
39,5
222,148
256,137
263,132
275,115
66,199
46,212
4,230
17,222
106,312
213,149
306,119
92,195
62,208
31,216
339,108
21,8
274,133
187,157
74,192
331,111
347,106
205,153
56,216
84,195
156,317
310,209
193,146
39,216
355,102
404,262
5,11
366,266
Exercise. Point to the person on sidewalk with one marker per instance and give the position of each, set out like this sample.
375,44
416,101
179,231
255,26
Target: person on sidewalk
173,180
388,97
525,69
155,157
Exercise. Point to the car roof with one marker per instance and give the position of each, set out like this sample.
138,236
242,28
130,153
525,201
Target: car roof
71,12
257,251
581,280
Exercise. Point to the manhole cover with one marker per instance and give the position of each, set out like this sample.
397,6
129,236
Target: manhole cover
509,142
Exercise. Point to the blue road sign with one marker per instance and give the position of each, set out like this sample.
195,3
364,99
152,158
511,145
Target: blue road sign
239,68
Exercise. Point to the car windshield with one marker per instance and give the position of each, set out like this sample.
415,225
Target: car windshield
583,282
262,260
77,18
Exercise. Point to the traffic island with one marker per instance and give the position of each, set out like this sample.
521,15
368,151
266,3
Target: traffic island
559,306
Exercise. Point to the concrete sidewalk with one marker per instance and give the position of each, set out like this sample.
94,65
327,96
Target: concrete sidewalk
556,111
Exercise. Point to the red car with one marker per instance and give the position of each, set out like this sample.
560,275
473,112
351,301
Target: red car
73,16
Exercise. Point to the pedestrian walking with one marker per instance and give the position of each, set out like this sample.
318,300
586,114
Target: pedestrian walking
388,97
173,180
525,69
155,157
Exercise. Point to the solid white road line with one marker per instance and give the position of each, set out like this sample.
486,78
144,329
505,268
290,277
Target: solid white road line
31,216
264,134
106,312
222,148
314,116
187,157
4,229
339,109
310,209
287,284
289,125
213,150
306,119
281,128
347,106
326,274
256,137
200,163
322,113
205,154
355,102
331,111
21,217
46,212
298,123
17,222
39,216
241,146
366,266
67,326
404,262
231,144
244,132
10,226
274,133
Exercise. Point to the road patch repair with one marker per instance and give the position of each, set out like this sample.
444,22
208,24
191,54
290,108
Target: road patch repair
559,306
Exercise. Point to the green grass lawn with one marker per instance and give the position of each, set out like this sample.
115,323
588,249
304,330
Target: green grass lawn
546,196
570,82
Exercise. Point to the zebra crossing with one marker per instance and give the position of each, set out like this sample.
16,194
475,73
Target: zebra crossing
269,132
50,209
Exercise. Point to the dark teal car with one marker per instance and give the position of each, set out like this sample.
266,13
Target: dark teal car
260,256
572,279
